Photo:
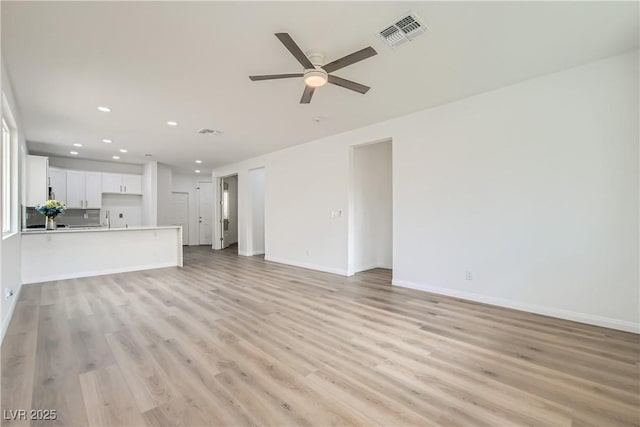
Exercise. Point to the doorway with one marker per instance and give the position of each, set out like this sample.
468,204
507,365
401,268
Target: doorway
229,211
372,207
180,213
205,213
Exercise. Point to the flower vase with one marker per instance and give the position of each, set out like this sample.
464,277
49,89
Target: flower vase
51,224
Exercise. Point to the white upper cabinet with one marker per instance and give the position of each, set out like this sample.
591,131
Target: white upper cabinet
121,183
75,190
37,183
93,190
84,190
132,184
111,183
58,184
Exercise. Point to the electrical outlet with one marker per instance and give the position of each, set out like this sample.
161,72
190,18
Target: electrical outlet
85,216
8,293
468,275
307,252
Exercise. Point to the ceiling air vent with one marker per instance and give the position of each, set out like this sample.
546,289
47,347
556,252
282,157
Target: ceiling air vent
206,131
403,30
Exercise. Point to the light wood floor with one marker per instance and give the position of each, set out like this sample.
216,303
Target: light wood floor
239,341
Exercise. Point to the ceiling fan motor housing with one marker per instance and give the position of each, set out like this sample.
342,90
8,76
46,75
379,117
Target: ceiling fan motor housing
316,58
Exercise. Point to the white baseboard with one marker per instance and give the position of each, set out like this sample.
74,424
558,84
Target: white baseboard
98,272
575,316
308,266
7,319
249,253
371,267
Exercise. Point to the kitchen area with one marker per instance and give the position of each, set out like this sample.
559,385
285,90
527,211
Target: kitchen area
109,224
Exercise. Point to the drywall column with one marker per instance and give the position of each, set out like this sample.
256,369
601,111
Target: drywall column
164,197
257,182
150,194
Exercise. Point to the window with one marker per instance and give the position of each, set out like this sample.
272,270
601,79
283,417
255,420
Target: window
7,166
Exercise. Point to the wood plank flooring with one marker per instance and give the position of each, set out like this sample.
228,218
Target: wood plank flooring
238,341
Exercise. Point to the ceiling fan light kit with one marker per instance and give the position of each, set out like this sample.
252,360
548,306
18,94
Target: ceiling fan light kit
316,75
315,78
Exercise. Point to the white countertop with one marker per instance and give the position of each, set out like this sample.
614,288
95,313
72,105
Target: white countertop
96,229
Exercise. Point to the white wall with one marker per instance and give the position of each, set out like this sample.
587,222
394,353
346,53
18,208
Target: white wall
129,206
188,184
256,236
240,169
94,165
10,247
532,187
372,207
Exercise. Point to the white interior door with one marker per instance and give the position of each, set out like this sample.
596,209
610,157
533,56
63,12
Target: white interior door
205,213
180,214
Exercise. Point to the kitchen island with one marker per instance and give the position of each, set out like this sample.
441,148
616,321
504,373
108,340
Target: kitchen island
70,253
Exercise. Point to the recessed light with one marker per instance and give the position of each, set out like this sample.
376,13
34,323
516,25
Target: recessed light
75,153
116,157
122,150
77,145
104,109
197,170
172,123
198,161
107,141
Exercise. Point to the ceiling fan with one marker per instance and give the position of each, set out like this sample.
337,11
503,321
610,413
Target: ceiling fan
315,74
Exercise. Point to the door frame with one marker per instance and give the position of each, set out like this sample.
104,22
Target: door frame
351,184
188,218
217,211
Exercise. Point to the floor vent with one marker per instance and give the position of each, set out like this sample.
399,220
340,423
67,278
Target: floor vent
403,30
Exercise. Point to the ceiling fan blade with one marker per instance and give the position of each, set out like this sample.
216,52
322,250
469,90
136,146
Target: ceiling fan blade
275,76
348,84
307,94
358,56
288,42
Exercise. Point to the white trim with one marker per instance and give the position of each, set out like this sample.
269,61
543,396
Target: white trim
575,316
7,320
341,272
100,272
250,253
371,267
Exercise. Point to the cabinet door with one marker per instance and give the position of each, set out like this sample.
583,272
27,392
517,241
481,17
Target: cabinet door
93,190
58,184
132,184
37,183
75,190
111,183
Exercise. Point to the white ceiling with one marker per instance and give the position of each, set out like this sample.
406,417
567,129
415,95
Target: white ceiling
189,62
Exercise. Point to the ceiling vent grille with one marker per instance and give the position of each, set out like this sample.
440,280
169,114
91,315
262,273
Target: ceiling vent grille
206,131
403,30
